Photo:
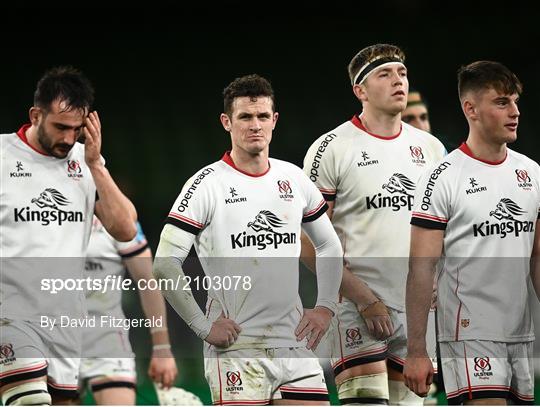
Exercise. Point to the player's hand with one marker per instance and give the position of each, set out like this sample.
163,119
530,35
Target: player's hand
313,325
418,374
162,368
377,319
224,332
92,142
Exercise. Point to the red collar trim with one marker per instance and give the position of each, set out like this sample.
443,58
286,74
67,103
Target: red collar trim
228,160
22,135
358,123
465,148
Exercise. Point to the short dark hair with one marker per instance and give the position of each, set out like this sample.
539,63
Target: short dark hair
481,75
369,53
247,86
67,84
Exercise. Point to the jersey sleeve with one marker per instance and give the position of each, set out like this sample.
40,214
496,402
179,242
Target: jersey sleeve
316,204
431,201
134,247
320,166
193,206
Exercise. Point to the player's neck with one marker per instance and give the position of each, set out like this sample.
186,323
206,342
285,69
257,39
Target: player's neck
380,123
486,150
254,164
32,138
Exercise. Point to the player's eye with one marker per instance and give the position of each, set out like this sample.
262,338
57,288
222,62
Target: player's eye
407,119
423,117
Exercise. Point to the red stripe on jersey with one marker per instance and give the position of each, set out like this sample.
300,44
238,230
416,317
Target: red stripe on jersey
360,355
479,388
528,397
243,402
187,220
112,379
467,371
228,160
63,386
311,212
459,309
22,135
303,390
24,370
430,217
327,191
465,149
358,123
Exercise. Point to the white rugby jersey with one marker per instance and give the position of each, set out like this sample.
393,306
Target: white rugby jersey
372,181
249,226
46,208
488,212
105,258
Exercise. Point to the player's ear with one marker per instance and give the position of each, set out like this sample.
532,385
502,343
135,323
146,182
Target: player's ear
276,115
34,114
469,108
360,93
225,121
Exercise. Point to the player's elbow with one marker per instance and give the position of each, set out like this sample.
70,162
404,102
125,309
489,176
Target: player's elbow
158,270
124,231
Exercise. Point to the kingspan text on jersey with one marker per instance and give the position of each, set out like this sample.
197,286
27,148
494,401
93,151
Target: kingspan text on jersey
263,240
47,216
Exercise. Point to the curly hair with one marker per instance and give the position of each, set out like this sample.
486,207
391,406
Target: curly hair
247,86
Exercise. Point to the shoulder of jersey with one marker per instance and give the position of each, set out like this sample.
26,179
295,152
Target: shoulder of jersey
277,163
209,171
78,149
428,137
8,139
341,132
523,158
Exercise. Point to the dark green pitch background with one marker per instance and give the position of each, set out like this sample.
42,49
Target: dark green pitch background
159,73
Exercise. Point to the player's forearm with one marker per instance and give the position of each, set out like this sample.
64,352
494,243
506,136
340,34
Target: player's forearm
172,250
329,261
182,301
535,262
113,208
153,305
354,289
307,253
418,302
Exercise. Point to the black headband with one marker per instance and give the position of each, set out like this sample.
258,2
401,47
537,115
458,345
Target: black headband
366,69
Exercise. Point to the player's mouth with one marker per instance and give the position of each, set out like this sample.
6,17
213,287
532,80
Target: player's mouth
511,126
398,93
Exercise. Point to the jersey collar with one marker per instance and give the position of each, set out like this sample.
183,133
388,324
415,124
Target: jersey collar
358,123
228,160
22,135
465,149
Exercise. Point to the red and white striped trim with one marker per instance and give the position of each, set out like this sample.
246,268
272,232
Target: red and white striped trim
304,390
242,403
63,386
526,397
328,191
108,379
186,220
24,370
477,388
361,355
401,361
429,217
311,212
